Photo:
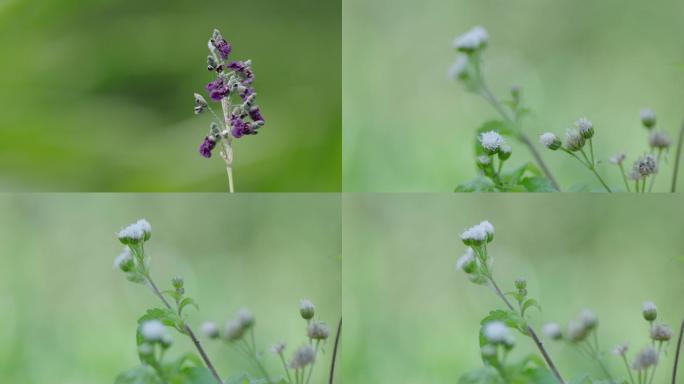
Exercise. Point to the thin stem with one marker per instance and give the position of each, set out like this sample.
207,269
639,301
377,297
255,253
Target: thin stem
589,167
679,347
660,347
677,158
287,371
227,141
591,151
650,187
189,331
534,336
335,348
629,371
308,377
489,96
624,176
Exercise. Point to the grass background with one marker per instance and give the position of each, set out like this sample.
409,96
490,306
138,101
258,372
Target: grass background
407,127
69,317
411,318
97,95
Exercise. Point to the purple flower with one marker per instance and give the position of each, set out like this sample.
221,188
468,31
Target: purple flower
223,47
236,66
207,146
246,93
240,127
255,114
218,89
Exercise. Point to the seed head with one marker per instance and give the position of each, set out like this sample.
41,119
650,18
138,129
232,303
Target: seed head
620,350
505,152
659,140
618,158
645,166
318,330
152,330
302,357
209,329
646,358
307,309
553,331
491,142
649,310
574,141
648,118
550,141
496,332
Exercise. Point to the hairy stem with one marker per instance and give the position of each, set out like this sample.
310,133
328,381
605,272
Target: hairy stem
334,354
677,158
227,141
534,336
189,331
679,347
489,96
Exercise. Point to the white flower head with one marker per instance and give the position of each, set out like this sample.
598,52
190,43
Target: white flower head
487,227
588,319
459,69
491,141
307,309
123,261
467,262
553,331
484,160
302,357
209,329
645,166
233,330
646,358
620,349
473,40
136,232
659,140
496,332
661,332
550,141
585,127
573,140
153,330
648,118
278,348
649,310
577,331
318,330
618,158
479,233
245,318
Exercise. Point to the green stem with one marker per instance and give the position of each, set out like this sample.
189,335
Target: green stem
679,347
624,176
334,354
591,151
308,378
653,177
678,156
287,371
629,371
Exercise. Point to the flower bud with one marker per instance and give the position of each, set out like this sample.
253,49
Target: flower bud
145,349
520,283
585,127
552,331
212,64
496,332
467,262
661,332
152,330
550,141
489,350
648,118
209,329
307,309
484,162
233,330
659,140
246,318
649,310
618,158
491,142
588,319
505,152
177,282
318,331
166,340
302,357
574,141
125,261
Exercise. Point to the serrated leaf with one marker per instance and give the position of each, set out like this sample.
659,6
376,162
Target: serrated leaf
529,303
513,177
511,318
187,301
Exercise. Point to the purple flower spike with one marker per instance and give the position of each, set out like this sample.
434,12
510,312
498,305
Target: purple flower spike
223,48
236,66
218,89
207,146
255,114
246,93
239,127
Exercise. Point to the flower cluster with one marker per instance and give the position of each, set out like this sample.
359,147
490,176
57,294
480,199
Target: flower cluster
232,87
466,66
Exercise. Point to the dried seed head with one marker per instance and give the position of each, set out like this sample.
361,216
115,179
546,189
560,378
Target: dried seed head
467,262
152,330
659,140
648,118
550,141
646,358
649,310
318,331
491,142
661,332
302,357
553,331
574,141
209,329
618,158
471,41
645,166
307,309
585,127
496,332
620,350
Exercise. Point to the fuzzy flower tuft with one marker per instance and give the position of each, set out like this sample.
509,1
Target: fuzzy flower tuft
649,310
659,140
307,309
473,40
644,166
574,141
467,262
646,358
208,145
585,127
318,331
459,69
496,332
648,118
479,233
209,329
302,357
124,261
153,330
553,331
661,332
491,141
550,141
136,232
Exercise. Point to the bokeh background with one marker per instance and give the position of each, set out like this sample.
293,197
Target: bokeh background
412,318
69,317
407,127
97,95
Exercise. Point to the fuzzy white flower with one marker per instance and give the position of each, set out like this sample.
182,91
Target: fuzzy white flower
318,330
549,140
649,310
233,330
487,227
484,160
588,319
302,357
472,40
648,117
573,140
307,309
584,124
618,158
661,332
577,331
474,233
459,69
246,318
491,141
153,330
646,358
467,258
659,140
132,232
552,331
209,329
144,225
124,257
496,332
646,165
620,349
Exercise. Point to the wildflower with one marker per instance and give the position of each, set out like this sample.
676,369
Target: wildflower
240,128
505,152
152,330
246,318
646,358
491,142
645,166
618,158
233,330
520,283
459,70
125,260
648,118
553,331
209,329
208,145
136,232
659,140
620,350
471,41
649,310
467,262
223,47
588,319
483,161
496,332
550,141
661,332
318,331
177,282
302,357
477,234
278,348
255,114
585,127
574,141
218,89
307,309
577,331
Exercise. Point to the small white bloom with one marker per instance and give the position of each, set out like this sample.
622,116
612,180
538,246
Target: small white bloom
584,124
646,358
646,165
472,40
661,332
487,227
467,258
552,331
659,139
307,309
577,331
124,257
620,350
476,233
246,318
648,117
144,226
233,330
496,332
618,158
588,319
278,348
491,140
649,310
484,160
318,331
132,232
549,140
153,330
302,357
209,329
459,68
573,140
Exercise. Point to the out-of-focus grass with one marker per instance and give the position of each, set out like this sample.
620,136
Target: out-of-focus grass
407,127
414,319
97,95
68,317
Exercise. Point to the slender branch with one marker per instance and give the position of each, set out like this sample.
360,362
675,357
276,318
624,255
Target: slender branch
195,341
679,347
534,336
677,158
334,354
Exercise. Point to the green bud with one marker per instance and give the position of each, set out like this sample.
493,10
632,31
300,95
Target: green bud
505,152
521,283
307,309
177,282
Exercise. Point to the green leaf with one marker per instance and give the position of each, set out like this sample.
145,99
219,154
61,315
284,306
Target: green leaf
537,184
511,318
187,301
139,375
485,375
513,177
529,303
478,184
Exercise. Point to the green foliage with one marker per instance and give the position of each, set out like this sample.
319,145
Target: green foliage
186,370
525,178
530,370
511,318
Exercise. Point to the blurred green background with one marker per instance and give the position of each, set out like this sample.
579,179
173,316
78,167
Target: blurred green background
97,95
69,317
407,127
414,319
